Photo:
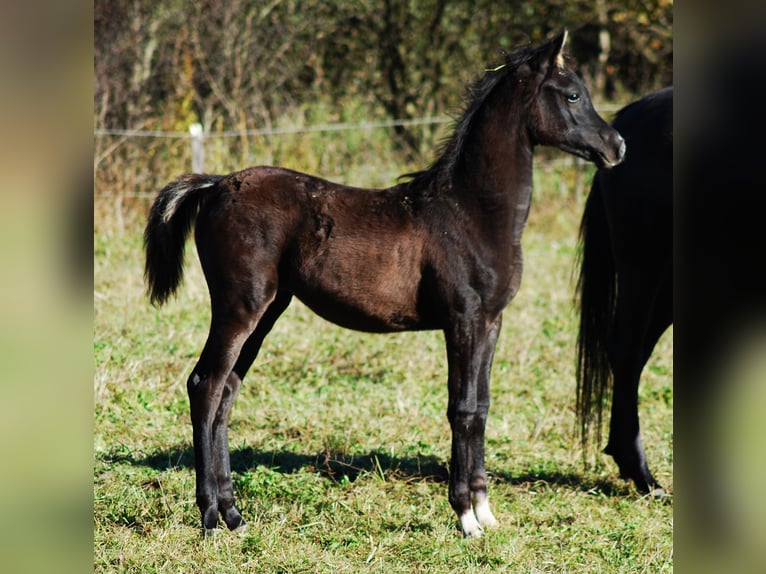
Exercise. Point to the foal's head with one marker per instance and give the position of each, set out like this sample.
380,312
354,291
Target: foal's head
561,113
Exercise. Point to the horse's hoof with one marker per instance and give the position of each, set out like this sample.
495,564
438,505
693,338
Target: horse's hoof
210,533
241,530
473,534
483,514
660,495
470,526
489,523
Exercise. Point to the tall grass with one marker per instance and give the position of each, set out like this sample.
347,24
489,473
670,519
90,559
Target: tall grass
339,440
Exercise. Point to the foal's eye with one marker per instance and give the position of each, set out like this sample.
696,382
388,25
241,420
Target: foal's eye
573,97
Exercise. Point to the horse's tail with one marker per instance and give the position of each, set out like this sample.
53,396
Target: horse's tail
170,221
596,295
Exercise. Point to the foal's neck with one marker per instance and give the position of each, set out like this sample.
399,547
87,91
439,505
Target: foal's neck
495,184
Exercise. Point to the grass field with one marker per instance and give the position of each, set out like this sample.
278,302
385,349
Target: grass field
340,442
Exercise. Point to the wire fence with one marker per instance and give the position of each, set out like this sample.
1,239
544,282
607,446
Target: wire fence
341,126
201,140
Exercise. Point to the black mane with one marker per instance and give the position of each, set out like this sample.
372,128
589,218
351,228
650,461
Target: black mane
430,180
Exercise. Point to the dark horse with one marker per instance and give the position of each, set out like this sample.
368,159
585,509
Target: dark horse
626,281
440,250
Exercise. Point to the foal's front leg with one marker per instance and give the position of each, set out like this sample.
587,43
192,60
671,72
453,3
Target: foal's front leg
469,349
479,495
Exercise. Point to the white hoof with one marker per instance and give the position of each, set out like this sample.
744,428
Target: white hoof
482,511
470,526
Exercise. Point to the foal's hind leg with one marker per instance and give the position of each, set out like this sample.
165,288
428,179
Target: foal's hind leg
225,493
212,389
249,352
206,387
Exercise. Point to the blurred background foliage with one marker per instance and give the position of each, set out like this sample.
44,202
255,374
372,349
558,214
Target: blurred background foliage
244,65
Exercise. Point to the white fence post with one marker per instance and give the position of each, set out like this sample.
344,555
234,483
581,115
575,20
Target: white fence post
198,148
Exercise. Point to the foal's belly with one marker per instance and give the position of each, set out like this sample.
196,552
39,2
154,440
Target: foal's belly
363,286
352,315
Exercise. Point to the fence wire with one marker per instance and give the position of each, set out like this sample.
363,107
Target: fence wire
198,138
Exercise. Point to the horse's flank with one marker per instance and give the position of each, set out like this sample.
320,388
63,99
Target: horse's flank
355,256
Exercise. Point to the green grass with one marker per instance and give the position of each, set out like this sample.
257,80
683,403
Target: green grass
340,442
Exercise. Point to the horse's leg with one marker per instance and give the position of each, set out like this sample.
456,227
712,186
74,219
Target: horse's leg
661,318
206,387
466,341
635,332
225,492
249,352
479,495
234,318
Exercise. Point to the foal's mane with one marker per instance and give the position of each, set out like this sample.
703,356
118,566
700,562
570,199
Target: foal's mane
429,181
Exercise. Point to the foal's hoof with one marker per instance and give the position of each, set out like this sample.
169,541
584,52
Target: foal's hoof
241,530
470,526
210,533
489,522
474,533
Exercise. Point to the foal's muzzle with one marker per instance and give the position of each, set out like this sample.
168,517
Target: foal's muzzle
613,151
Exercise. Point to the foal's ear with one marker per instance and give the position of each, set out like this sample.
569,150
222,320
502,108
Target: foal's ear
552,55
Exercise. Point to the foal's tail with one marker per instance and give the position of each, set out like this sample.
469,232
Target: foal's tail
170,221
597,294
